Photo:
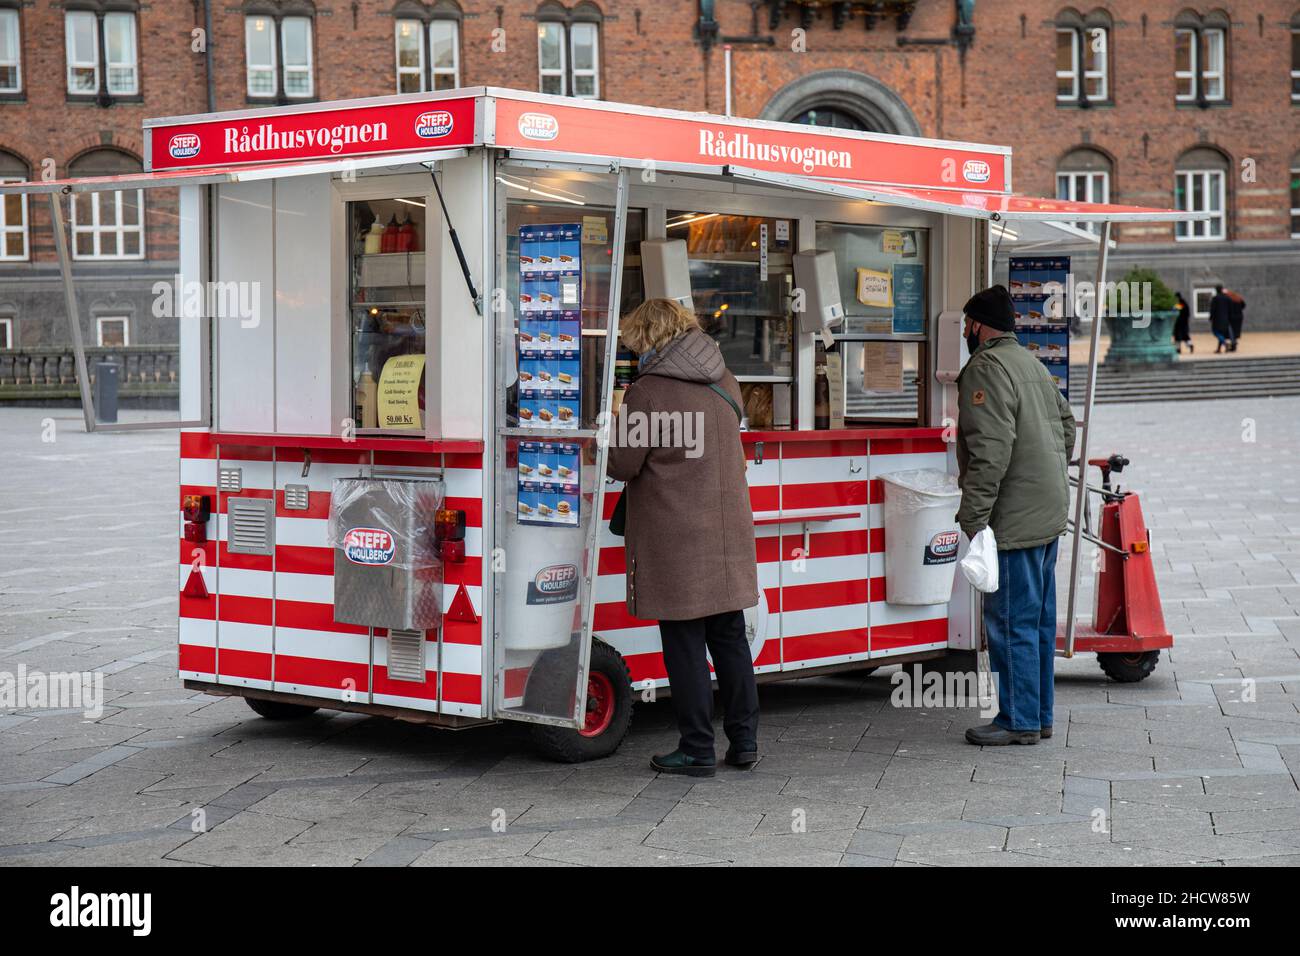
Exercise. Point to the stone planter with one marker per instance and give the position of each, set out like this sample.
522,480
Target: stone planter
1134,341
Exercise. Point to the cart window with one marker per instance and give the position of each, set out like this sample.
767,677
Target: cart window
741,277
387,302
883,276
557,276
882,381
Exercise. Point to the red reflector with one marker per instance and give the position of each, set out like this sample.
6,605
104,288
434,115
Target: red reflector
452,552
194,587
462,608
449,524
196,532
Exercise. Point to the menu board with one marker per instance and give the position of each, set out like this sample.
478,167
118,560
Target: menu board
1038,289
550,325
548,483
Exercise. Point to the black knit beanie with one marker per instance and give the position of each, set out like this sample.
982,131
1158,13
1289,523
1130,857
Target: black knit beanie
993,307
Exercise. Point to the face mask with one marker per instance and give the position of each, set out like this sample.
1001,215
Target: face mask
972,342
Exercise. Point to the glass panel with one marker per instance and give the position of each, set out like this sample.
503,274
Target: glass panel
16,248
410,42
84,244
13,209
553,83
131,243
590,284
882,381
582,37
550,46
9,79
387,303
746,312
131,202
107,203
444,34
9,35
883,275
296,32
1066,70
444,81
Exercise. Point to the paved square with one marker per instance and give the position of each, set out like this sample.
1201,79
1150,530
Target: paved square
1197,764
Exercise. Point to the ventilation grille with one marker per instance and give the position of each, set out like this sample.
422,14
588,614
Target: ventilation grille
249,525
296,497
406,655
230,479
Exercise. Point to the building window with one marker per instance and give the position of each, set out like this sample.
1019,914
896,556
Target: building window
6,333
1295,197
117,61
1083,58
1295,63
1201,296
428,56
11,55
13,211
113,330
107,225
568,51
1200,185
278,57
1200,62
1084,176
81,33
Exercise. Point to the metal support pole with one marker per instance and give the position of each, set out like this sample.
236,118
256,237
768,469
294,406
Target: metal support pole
74,316
1089,397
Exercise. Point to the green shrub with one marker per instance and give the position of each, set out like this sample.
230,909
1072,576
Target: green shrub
1162,297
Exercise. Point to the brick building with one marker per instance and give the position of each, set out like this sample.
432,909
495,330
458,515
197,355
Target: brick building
1154,103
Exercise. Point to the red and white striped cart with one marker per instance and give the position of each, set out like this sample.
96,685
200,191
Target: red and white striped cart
398,324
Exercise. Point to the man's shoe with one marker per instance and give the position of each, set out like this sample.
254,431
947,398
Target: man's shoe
743,757
1045,733
678,762
991,735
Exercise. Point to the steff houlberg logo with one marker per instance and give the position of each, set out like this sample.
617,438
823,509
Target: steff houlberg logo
555,584
942,548
434,124
75,908
373,546
184,146
976,171
541,126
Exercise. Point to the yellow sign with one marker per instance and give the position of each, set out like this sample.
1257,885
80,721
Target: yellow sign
594,229
399,392
892,242
875,289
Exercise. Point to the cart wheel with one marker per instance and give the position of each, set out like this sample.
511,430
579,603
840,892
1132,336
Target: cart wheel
609,712
1129,668
278,710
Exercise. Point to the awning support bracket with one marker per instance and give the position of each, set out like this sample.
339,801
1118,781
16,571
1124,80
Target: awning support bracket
455,243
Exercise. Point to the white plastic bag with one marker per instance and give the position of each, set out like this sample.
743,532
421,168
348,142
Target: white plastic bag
981,562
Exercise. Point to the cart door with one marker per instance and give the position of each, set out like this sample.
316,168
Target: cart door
560,266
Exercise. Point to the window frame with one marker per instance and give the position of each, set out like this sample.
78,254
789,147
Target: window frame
573,71
24,229
119,16
1092,175
308,69
1197,291
1295,64
1073,72
7,324
13,15
1186,231
126,330
97,230
1103,74
249,67
562,71
1194,62
1294,192
1204,38
1220,74
420,38
434,70
69,17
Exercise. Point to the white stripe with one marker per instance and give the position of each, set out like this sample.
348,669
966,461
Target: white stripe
412,703
816,471
199,471
322,645
197,632
256,475
908,649
242,681
311,588
241,582
884,464
196,675
243,637
882,613
820,620
823,661
461,658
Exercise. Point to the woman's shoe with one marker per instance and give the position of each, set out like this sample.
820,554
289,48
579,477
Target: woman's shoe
678,762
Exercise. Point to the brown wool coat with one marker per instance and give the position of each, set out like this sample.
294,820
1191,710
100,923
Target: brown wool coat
690,530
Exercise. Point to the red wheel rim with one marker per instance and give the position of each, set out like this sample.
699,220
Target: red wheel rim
600,705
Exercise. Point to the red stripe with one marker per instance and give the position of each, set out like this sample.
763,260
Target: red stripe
473,508
807,597
809,647
426,690
908,634
244,562
318,505
208,549
320,672
823,494
470,461
324,456
198,609
197,445
908,446
310,616
236,609
462,688
195,657
302,559
827,544
267,493
251,664
462,632
235,453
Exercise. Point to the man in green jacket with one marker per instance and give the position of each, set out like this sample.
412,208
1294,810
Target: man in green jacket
1015,436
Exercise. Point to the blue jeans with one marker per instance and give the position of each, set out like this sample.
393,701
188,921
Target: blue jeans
1020,624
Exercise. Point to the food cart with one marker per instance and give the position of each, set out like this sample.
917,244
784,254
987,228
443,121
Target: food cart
392,495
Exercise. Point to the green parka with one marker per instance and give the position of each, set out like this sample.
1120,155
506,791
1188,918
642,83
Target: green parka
1015,436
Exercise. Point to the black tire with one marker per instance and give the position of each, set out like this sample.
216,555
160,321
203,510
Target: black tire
1129,668
278,710
567,745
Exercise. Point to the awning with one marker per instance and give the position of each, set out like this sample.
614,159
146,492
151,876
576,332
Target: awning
1028,235
226,174
971,205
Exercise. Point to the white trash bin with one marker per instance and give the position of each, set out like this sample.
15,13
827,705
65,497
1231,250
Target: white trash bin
922,536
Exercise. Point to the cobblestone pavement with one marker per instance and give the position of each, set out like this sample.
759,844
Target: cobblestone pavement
1195,765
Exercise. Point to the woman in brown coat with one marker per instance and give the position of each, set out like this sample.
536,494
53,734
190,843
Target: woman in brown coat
690,531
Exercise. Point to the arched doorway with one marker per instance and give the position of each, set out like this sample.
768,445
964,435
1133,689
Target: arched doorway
842,99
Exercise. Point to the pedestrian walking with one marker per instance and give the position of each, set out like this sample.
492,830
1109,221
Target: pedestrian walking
1221,321
1236,316
1183,326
